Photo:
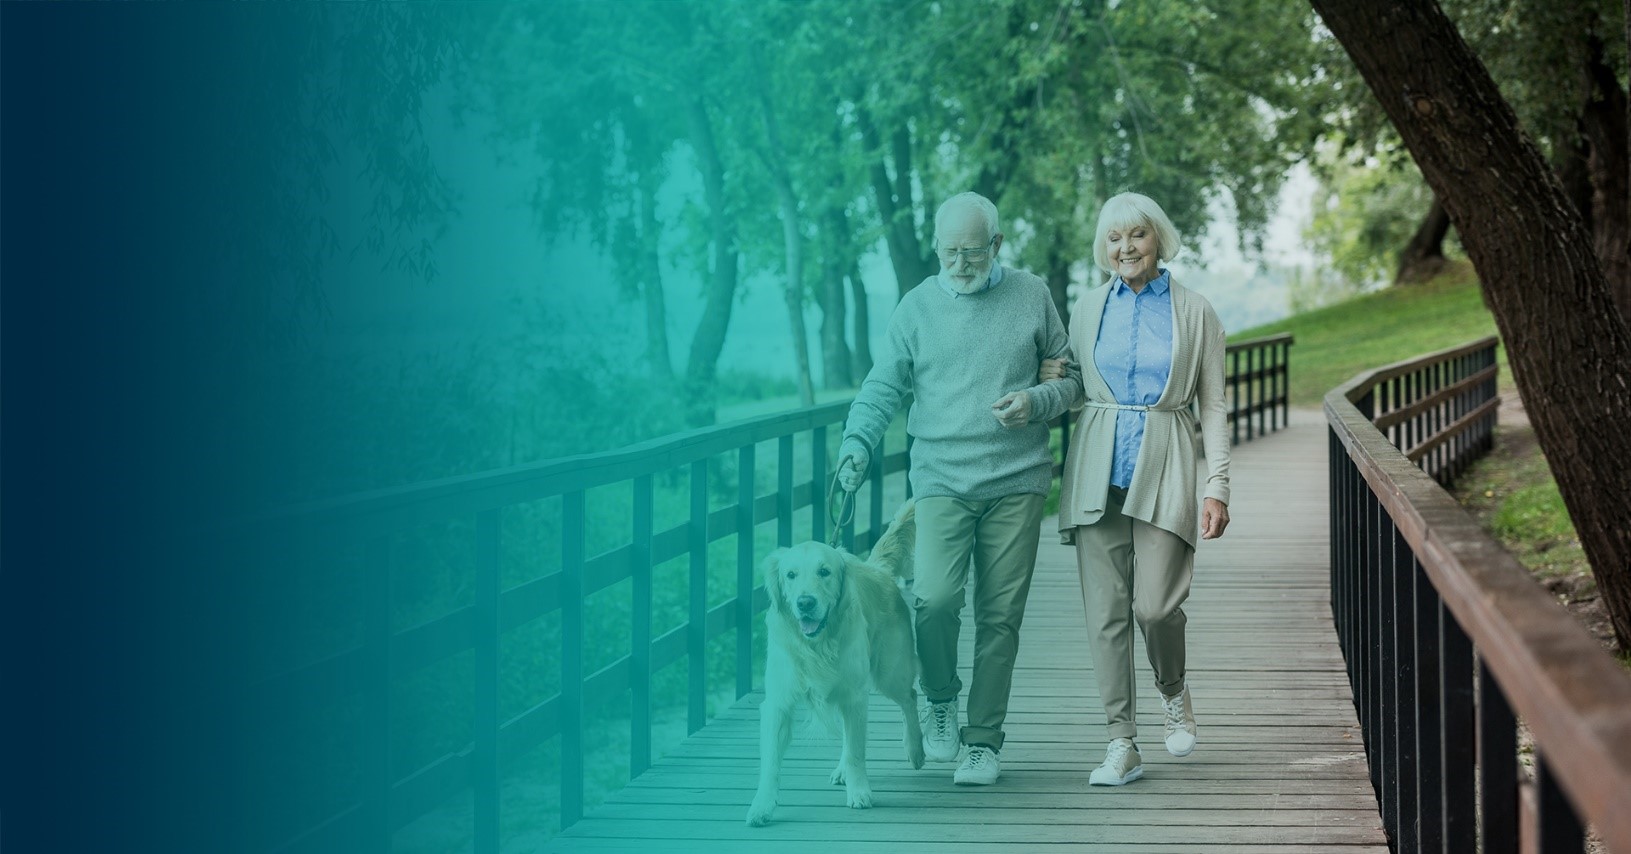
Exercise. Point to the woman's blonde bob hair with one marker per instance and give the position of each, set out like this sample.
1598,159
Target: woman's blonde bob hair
1130,210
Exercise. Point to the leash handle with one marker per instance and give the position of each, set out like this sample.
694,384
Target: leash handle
841,514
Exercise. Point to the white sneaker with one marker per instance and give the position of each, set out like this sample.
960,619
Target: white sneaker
1121,764
940,732
979,768
1180,723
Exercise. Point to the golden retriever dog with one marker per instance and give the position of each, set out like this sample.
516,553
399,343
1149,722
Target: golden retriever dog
838,627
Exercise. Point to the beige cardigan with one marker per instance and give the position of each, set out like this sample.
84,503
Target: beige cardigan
1162,492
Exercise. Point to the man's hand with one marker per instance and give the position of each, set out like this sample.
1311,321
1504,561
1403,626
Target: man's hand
853,460
1013,409
1214,518
1052,369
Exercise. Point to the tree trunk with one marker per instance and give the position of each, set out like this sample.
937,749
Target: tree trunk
792,243
651,286
709,340
1569,347
835,361
1605,129
861,361
924,261
905,254
1423,256
1056,270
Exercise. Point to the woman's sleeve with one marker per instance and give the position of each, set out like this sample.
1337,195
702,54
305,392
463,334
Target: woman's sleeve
1214,415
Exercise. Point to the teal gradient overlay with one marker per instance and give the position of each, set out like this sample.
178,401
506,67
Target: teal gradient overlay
257,256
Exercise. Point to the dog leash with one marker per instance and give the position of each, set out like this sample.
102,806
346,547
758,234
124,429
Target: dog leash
845,511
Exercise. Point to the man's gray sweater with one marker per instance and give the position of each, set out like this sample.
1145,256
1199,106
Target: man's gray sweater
957,356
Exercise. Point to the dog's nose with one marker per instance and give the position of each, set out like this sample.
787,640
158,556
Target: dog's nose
806,603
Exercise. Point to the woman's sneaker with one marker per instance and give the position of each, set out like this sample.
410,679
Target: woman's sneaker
1180,723
979,768
1121,764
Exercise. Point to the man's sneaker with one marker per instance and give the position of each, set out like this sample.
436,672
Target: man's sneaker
940,730
1121,764
979,768
1180,723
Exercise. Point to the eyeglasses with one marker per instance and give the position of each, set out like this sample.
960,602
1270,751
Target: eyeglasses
976,255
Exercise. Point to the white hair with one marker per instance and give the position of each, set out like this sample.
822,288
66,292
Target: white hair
965,202
1130,210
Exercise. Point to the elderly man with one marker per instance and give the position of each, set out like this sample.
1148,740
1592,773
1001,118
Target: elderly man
967,344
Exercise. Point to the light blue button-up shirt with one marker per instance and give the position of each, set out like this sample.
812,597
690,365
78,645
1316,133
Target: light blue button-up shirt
1134,355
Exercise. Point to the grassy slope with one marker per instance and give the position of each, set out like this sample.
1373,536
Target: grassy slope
1336,342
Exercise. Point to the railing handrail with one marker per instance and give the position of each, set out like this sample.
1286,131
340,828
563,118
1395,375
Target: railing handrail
450,496
1276,338
1573,695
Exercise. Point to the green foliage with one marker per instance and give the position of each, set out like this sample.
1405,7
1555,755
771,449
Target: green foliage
1339,341
1365,214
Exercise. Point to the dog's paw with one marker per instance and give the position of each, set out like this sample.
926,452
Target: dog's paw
914,753
860,799
837,777
760,812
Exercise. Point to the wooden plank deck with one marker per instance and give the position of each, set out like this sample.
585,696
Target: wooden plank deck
1279,766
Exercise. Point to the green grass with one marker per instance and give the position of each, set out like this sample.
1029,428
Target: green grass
1336,342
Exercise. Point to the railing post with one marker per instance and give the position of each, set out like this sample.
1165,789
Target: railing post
697,624
1387,700
376,700
572,535
1559,828
640,631
1458,726
1406,707
784,491
818,484
744,570
485,643
1429,759
1497,765
1253,391
875,514
1234,397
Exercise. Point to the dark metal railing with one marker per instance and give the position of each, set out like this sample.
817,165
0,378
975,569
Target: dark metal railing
1259,380
391,798
1448,639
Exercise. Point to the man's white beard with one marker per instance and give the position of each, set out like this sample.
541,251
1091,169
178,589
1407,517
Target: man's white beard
979,281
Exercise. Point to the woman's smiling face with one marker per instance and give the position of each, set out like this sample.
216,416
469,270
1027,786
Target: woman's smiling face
1134,253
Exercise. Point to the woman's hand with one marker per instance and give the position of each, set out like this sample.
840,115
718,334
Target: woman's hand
1052,369
1214,518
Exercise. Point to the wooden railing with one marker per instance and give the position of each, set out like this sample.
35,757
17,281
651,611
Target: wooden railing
392,798
1448,638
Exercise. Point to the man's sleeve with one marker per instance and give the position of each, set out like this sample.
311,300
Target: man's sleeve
1050,399
889,381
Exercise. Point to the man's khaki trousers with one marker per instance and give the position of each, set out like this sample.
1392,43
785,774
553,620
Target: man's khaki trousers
1131,570
1001,536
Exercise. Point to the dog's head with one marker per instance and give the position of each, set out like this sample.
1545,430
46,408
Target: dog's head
806,583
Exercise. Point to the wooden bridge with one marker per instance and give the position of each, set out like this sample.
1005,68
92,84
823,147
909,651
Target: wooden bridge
1280,764
1361,655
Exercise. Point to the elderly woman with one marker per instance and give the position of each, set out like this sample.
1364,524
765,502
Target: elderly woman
1153,350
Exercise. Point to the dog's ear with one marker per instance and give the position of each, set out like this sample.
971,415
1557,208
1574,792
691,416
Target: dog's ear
773,577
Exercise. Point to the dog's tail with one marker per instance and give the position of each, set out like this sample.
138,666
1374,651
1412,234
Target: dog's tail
896,548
